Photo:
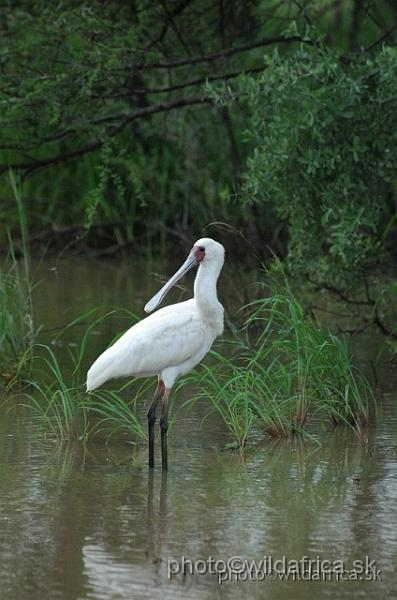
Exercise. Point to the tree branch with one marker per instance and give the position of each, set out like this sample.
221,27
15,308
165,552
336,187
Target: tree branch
201,80
226,52
340,293
125,119
370,303
382,38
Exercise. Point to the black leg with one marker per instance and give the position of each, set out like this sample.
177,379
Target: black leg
151,418
164,428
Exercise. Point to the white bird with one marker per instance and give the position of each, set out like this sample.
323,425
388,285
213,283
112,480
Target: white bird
170,342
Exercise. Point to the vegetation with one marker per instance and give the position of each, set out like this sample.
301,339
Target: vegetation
59,405
154,120
271,125
151,116
16,328
287,371
58,397
68,412
17,332
325,164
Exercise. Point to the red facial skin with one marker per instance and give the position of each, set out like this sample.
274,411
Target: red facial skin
199,253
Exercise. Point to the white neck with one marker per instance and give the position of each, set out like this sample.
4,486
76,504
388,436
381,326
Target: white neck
205,288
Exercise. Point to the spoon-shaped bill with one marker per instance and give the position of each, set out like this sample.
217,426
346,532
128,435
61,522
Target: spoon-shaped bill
189,263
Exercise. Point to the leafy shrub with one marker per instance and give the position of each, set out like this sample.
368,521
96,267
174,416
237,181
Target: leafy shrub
324,130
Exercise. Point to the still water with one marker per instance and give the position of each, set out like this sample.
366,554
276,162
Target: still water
90,522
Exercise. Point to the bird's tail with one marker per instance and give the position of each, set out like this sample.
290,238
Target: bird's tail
101,370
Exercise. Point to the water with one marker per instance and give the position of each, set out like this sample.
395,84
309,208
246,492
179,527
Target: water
91,522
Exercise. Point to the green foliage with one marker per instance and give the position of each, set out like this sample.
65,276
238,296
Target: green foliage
119,415
114,100
222,385
384,315
58,398
131,122
61,94
324,131
59,404
163,171
286,372
17,332
16,328
303,363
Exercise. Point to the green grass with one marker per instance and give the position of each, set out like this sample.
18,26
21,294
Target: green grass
67,411
17,332
58,397
117,414
221,383
285,371
16,329
59,404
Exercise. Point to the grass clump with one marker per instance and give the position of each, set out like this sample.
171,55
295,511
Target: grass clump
59,399
16,329
59,405
118,415
17,332
222,383
284,371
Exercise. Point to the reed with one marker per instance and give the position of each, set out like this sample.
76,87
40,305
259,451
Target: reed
284,371
17,332
57,393
227,387
118,415
58,404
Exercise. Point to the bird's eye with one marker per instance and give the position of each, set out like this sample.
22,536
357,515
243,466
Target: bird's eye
199,253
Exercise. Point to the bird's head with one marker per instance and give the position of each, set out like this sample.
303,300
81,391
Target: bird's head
204,252
208,250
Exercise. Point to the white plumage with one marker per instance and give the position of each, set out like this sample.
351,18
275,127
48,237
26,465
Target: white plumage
171,341
165,344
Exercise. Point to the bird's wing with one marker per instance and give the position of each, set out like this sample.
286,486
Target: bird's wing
166,338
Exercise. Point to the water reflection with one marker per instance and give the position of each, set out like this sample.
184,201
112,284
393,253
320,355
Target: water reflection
89,523
156,520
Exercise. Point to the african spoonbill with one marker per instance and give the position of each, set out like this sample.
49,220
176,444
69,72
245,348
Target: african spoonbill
171,341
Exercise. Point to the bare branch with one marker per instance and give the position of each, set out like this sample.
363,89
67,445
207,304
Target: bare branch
370,303
124,119
226,52
141,113
198,81
382,38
